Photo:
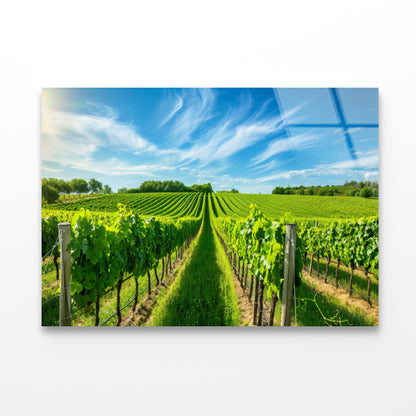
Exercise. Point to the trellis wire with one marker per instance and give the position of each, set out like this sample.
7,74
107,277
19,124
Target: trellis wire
51,250
52,297
130,301
344,287
48,254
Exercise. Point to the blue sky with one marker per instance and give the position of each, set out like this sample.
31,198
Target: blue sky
252,139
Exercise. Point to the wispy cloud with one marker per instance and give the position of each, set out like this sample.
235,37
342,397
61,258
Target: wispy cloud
51,170
365,166
188,112
174,106
115,166
367,162
273,164
232,134
293,143
237,129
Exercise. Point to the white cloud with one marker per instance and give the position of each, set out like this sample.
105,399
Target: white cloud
72,139
173,109
368,162
115,166
294,143
235,131
364,167
273,164
46,169
188,112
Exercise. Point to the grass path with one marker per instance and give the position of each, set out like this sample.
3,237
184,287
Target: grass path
203,293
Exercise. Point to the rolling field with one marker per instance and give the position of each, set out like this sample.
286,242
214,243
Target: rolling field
301,207
176,204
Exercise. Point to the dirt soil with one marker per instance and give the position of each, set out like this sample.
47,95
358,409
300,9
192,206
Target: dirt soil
143,313
342,294
246,308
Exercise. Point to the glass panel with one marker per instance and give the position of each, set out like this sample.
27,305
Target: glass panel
360,105
307,105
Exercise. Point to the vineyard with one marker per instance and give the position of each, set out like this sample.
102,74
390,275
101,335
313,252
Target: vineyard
178,259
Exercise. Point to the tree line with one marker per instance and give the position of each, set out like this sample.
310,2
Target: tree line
233,191
365,189
52,188
166,186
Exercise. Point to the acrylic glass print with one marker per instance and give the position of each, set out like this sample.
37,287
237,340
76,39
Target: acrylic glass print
210,207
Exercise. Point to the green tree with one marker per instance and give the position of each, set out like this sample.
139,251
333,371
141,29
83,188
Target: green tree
107,189
94,185
59,184
49,193
279,190
366,192
310,191
122,191
79,186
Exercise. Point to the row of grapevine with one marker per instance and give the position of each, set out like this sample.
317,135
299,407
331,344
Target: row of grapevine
322,208
163,204
105,252
353,243
259,244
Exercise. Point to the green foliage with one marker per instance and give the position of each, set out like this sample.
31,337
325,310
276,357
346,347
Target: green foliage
354,242
279,190
50,235
79,186
202,188
261,243
168,186
106,247
327,190
94,185
49,193
366,192
233,191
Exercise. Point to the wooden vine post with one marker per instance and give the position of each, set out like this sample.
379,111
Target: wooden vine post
289,275
64,229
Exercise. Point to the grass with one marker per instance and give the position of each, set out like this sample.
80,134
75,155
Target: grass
319,309
108,303
359,282
315,308
203,293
